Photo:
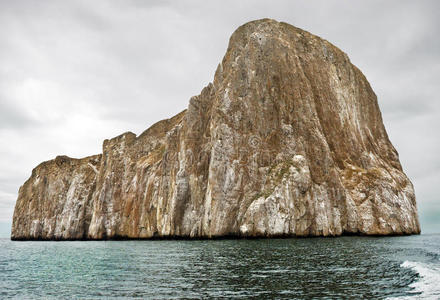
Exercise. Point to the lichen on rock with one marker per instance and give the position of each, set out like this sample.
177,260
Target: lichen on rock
288,140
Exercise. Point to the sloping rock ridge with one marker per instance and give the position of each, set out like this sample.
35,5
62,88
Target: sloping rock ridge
288,140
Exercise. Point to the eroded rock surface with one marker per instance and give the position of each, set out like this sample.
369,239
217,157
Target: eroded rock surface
287,140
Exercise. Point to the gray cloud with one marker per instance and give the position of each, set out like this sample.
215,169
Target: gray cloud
74,73
12,117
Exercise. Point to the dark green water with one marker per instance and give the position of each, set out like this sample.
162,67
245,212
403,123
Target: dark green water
345,267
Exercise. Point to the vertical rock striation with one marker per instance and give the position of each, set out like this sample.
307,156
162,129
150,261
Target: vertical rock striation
288,140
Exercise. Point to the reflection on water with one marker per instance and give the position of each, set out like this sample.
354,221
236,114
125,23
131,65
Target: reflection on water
359,267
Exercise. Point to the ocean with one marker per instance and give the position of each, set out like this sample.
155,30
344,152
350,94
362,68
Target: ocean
343,267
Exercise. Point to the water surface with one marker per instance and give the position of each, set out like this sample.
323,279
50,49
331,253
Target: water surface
358,267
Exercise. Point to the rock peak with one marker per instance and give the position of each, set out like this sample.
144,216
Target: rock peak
287,141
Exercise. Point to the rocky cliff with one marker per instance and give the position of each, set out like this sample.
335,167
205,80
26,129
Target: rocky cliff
288,140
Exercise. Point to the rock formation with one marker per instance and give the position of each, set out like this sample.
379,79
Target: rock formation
288,140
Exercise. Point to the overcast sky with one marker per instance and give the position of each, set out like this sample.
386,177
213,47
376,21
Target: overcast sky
73,73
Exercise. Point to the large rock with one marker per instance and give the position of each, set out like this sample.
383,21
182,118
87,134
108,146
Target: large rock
287,141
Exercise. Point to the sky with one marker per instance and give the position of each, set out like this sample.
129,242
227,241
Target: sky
73,73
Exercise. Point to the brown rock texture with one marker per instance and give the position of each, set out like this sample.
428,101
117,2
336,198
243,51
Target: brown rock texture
288,140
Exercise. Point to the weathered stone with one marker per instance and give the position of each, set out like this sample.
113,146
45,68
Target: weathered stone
288,140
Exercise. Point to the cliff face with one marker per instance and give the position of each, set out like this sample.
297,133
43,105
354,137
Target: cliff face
287,140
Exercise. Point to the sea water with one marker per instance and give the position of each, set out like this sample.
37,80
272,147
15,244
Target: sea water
343,267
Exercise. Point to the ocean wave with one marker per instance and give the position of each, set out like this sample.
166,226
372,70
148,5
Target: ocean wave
427,287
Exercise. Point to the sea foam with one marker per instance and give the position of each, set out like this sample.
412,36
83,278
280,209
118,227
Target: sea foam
427,287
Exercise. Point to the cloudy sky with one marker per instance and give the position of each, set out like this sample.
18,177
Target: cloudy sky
74,73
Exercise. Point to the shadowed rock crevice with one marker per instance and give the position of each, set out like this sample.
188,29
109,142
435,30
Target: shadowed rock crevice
288,140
